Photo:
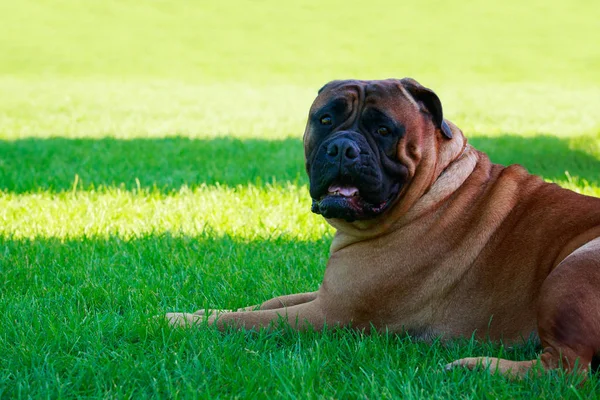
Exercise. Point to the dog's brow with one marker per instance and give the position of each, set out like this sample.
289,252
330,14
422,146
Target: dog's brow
337,105
374,113
378,116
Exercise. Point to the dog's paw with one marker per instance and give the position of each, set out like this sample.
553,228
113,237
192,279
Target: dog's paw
184,320
470,363
508,368
211,311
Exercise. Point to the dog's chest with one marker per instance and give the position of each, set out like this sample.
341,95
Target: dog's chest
397,281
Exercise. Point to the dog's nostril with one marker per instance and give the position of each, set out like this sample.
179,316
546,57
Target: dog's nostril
332,150
343,148
351,152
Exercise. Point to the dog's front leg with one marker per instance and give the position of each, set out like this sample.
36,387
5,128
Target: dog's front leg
299,316
276,302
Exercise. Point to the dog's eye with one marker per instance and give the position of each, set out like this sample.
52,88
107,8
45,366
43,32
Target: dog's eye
326,120
383,131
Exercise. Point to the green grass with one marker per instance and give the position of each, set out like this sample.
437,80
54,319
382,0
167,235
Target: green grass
151,161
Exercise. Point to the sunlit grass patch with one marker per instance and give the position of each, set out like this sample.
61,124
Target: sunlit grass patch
248,212
579,185
94,108
306,43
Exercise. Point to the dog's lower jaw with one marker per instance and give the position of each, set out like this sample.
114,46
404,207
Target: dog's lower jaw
352,208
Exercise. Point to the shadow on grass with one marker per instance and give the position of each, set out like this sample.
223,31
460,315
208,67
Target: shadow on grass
160,270
167,164
69,309
544,155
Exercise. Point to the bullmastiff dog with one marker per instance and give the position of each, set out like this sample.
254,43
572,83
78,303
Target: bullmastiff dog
435,240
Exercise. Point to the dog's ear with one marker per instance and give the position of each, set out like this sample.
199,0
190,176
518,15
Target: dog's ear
430,101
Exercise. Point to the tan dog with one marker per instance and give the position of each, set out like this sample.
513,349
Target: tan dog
435,240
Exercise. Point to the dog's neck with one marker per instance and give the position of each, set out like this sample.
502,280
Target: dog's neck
440,175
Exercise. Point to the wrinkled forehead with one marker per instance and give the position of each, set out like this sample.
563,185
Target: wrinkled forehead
387,93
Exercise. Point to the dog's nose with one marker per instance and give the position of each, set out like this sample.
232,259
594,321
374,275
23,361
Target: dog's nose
343,149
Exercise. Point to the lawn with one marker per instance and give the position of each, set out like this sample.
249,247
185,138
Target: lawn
151,161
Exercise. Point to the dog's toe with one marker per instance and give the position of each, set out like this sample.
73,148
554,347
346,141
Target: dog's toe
469,363
183,319
211,311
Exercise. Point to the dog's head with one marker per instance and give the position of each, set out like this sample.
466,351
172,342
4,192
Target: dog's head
364,142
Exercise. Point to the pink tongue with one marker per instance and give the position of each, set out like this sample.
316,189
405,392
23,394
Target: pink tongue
347,191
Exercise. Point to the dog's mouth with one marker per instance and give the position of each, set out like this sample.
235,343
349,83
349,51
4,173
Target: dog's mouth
346,202
340,190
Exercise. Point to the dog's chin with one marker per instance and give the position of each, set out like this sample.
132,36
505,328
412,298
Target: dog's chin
348,206
334,206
